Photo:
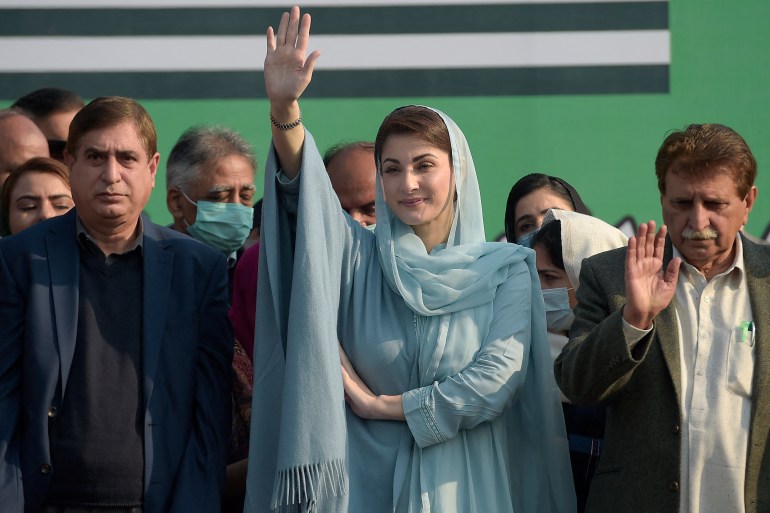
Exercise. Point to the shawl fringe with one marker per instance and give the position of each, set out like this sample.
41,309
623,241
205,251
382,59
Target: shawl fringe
304,485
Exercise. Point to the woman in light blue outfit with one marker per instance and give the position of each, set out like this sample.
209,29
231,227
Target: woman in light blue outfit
451,401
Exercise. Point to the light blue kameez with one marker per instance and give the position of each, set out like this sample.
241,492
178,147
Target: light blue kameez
466,351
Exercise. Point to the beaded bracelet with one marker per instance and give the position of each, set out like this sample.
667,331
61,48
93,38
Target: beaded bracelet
286,126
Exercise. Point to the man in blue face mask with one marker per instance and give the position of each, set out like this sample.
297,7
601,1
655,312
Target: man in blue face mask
210,193
210,187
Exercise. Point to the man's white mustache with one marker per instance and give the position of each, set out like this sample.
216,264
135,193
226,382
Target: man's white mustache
704,234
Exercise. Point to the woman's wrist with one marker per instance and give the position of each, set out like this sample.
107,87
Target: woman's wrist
390,407
284,112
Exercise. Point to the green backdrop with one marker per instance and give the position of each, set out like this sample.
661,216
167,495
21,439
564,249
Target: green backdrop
604,145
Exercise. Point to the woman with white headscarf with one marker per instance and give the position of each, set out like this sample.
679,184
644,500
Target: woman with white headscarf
564,240
452,404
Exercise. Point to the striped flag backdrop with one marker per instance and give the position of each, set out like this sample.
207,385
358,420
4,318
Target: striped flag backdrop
168,49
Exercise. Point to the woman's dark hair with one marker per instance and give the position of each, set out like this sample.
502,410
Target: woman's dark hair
33,165
419,121
549,237
531,183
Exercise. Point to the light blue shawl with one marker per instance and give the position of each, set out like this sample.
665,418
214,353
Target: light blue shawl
298,425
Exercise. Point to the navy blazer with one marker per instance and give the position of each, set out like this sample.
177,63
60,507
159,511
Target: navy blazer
187,347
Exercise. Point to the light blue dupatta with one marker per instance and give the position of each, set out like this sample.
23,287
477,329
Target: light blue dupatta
465,273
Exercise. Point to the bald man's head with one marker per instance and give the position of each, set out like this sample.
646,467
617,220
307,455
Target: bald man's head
20,140
353,173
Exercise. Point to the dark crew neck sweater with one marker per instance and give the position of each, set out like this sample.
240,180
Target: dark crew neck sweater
97,450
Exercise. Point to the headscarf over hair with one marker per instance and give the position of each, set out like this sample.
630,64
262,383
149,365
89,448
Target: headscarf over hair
583,236
453,278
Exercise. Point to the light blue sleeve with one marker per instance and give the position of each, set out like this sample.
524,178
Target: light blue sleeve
481,391
290,189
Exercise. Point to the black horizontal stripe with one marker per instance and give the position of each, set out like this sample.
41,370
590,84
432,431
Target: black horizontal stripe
338,20
354,83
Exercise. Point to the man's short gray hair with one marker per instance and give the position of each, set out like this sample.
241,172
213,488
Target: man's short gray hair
199,145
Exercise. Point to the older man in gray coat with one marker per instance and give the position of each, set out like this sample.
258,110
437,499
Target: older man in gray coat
672,334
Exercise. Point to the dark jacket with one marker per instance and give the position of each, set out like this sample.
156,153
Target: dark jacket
186,356
639,469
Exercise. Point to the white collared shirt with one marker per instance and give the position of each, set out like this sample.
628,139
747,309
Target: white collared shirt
717,367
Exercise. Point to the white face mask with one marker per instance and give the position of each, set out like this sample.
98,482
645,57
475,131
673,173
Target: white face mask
558,314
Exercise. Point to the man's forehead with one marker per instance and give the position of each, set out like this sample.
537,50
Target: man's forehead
228,173
222,187
348,176
719,181
354,157
111,147
123,134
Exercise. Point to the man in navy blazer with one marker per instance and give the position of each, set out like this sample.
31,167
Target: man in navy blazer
115,347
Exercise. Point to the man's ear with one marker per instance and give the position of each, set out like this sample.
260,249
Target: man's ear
174,203
69,158
154,161
751,198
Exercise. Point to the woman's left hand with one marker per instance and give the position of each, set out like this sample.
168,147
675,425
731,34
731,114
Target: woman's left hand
287,69
363,401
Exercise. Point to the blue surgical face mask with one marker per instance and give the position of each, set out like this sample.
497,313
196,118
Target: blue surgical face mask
370,227
223,226
558,314
526,239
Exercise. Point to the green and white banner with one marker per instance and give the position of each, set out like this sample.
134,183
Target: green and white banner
173,49
584,90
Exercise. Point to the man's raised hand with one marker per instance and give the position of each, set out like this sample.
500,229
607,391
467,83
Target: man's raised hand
648,288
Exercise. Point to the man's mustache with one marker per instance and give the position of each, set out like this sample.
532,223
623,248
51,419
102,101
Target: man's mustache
704,234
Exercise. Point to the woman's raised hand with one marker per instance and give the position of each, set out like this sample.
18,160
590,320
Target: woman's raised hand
287,69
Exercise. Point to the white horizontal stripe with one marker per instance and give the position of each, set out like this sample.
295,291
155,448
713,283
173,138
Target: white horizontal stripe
66,4
403,51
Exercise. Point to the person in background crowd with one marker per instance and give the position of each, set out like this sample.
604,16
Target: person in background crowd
210,188
352,173
102,295
35,191
210,191
561,244
52,110
672,335
449,385
20,140
529,200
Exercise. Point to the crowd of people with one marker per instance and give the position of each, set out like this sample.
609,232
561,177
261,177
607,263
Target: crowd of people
351,342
